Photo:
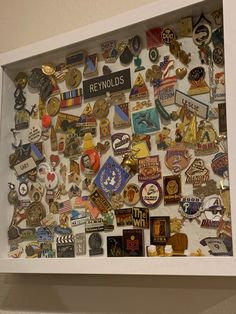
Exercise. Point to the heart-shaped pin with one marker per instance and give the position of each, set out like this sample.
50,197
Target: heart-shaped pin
180,73
50,176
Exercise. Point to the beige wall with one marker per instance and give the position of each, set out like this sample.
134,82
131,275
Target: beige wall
26,21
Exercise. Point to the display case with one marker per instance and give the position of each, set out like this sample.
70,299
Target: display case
117,146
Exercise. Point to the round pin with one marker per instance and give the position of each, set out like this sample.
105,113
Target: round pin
73,78
150,194
53,106
51,180
153,54
48,68
131,194
168,35
12,195
46,121
101,108
21,79
90,162
23,189
43,169
126,56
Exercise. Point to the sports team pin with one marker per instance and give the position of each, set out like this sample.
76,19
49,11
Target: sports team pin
177,158
198,85
219,164
121,117
150,194
149,168
139,89
120,143
111,177
202,31
100,201
197,173
131,194
206,139
172,189
190,207
140,217
214,209
145,121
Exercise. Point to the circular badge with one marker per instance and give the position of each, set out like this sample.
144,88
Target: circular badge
21,79
73,78
43,169
51,180
214,209
218,55
202,33
48,68
131,194
150,194
90,162
23,189
190,207
153,54
101,108
53,106
196,74
168,35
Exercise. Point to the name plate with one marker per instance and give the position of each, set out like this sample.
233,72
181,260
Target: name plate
192,104
114,82
25,166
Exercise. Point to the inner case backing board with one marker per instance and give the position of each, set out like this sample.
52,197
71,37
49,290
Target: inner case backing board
191,224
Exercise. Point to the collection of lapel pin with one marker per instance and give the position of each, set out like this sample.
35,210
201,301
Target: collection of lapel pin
125,151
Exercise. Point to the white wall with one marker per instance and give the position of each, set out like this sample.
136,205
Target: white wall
26,21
